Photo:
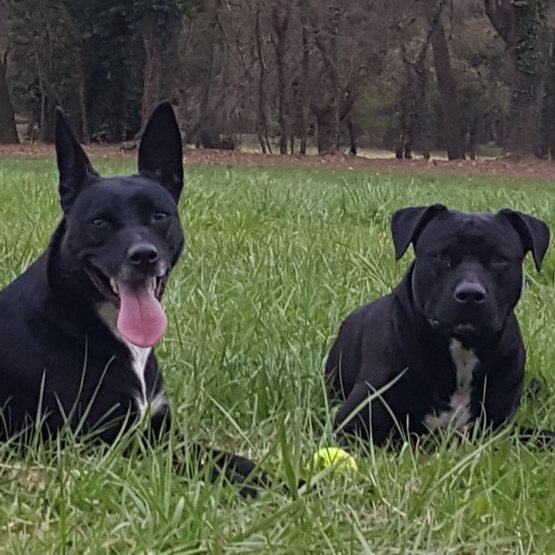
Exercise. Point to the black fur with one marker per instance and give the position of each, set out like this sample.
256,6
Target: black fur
463,286
60,361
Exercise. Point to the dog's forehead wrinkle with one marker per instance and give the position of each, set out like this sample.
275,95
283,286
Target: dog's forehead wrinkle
469,232
464,222
127,188
472,216
121,202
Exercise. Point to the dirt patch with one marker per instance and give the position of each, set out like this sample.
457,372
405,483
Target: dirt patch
524,168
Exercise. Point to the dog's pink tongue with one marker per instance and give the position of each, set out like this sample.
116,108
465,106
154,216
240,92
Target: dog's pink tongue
141,318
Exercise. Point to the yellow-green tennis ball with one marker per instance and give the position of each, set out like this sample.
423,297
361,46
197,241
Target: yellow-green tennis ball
334,456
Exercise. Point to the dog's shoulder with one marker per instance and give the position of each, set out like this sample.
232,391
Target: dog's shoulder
372,315
26,289
22,304
369,320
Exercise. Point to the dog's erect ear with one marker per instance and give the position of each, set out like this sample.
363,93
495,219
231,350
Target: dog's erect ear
74,166
408,223
534,233
161,150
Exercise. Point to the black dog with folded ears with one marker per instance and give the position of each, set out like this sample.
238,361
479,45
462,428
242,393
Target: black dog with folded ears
78,328
444,348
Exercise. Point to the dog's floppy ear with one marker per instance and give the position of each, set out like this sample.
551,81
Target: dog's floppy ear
161,150
74,166
534,233
407,224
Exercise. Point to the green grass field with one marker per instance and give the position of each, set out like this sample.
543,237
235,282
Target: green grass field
275,260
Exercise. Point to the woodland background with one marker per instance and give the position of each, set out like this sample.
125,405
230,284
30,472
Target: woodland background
411,76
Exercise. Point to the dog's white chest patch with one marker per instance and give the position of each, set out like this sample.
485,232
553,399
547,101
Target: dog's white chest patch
139,357
458,415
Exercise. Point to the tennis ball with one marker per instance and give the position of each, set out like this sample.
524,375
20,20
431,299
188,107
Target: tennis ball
334,456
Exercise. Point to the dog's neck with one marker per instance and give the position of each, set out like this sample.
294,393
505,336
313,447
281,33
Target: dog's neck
138,356
406,303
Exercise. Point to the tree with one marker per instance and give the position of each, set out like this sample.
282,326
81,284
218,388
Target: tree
44,51
521,25
413,109
8,130
261,119
303,95
401,74
446,83
105,64
280,23
111,61
329,107
334,100
159,23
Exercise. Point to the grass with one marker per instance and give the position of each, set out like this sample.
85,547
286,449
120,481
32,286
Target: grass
275,260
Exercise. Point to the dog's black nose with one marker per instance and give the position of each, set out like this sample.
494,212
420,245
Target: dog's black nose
470,292
143,255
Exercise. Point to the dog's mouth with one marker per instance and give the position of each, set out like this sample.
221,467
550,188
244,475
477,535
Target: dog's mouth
141,319
463,330
153,284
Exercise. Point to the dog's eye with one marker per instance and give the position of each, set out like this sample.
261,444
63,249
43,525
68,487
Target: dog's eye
160,216
99,222
443,258
499,260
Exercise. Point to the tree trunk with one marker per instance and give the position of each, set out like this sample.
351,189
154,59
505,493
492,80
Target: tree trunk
447,87
328,112
160,59
280,25
472,138
521,26
169,76
327,131
261,123
48,123
547,149
337,92
151,75
524,124
205,98
413,106
8,130
305,70
352,136
85,135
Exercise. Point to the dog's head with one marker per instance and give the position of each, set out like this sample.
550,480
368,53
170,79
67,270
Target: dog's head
123,233
468,277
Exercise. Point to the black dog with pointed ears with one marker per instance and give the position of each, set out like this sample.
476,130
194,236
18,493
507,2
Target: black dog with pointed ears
79,327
